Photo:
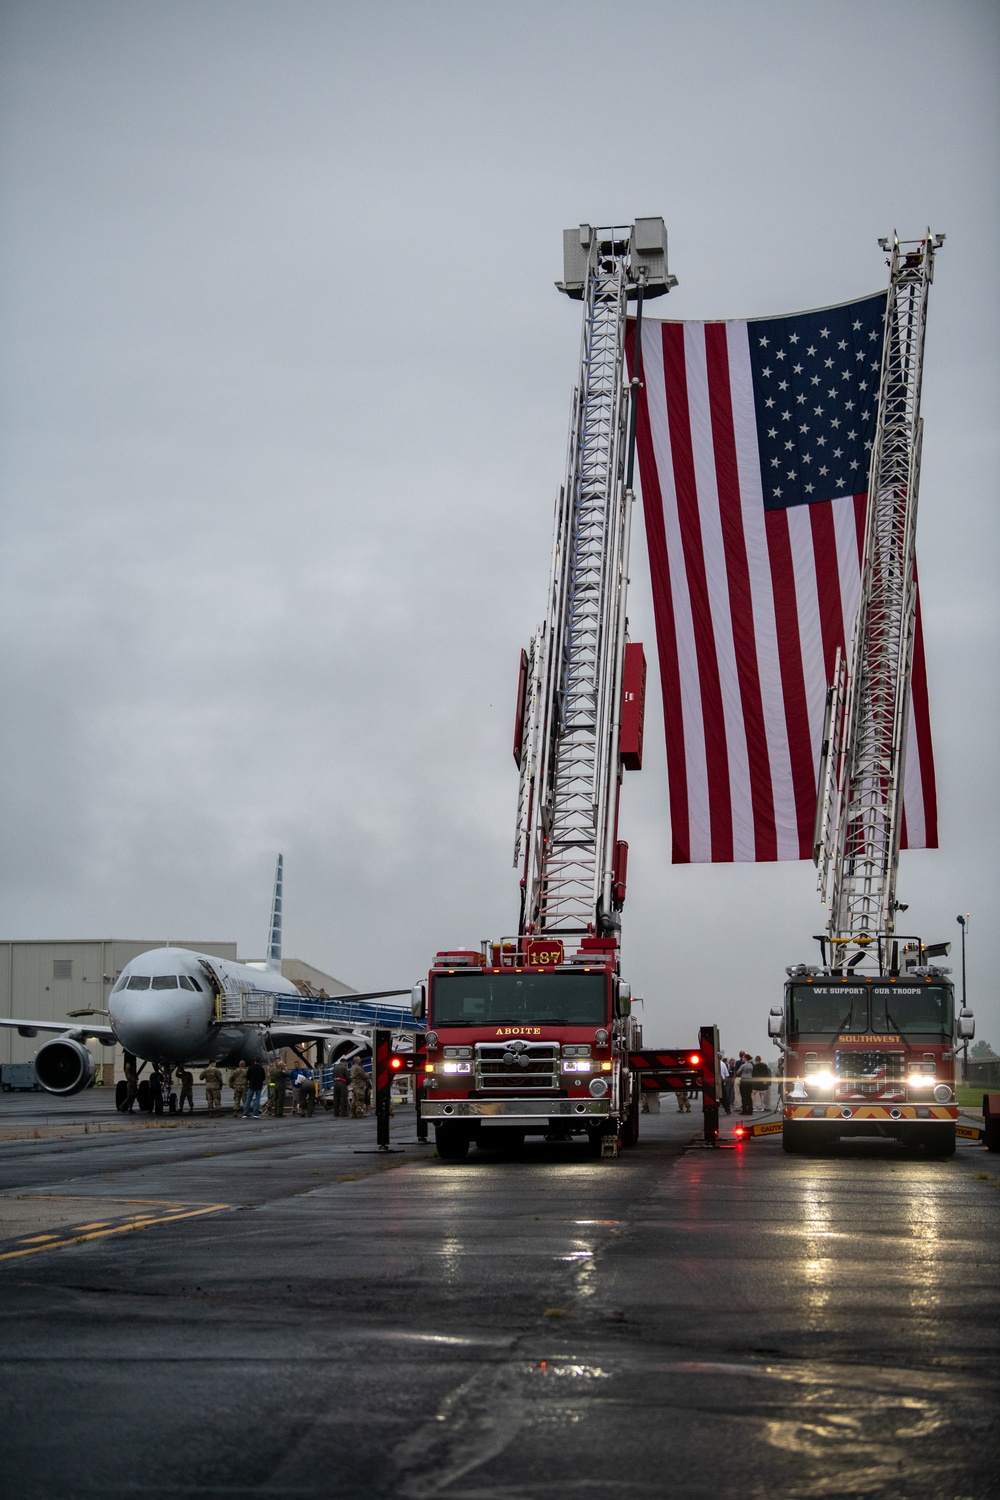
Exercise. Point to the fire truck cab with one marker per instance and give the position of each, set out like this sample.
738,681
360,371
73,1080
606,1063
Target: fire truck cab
869,1056
517,1047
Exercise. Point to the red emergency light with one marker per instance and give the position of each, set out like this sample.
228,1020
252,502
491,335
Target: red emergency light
395,1063
694,1059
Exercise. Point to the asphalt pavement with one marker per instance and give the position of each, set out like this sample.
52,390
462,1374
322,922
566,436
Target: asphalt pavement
242,1309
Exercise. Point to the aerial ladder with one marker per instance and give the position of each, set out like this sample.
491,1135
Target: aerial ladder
869,1036
534,1034
571,690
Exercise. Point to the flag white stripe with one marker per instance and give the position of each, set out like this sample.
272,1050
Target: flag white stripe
810,631
717,582
687,658
761,591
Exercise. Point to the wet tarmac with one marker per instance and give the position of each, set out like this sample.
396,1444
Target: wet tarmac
241,1309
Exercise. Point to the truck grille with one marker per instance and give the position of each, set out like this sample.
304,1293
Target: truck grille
517,1066
871,1072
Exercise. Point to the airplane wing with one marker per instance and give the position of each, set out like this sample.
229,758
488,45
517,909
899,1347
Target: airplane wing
79,1030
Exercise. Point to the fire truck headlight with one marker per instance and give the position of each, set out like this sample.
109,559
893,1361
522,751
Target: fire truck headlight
456,1067
598,1088
922,1081
942,1094
821,1080
576,1065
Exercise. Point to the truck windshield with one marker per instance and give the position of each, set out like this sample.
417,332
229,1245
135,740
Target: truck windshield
923,1008
821,1009
479,998
902,1009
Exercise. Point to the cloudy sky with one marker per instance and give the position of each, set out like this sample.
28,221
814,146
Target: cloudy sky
284,386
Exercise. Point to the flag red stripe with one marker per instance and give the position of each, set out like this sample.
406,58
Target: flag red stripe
666,633
716,749
831,613
860,521
922,718
740,599
793,685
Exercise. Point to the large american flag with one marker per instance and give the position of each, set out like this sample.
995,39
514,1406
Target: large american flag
754,442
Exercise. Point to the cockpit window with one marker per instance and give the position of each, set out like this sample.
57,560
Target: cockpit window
164,981
139,982
122,984
189,983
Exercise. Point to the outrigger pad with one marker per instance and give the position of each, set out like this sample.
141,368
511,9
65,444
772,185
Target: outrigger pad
609,1146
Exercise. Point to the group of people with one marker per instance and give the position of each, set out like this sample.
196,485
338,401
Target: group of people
257,1090
753,1078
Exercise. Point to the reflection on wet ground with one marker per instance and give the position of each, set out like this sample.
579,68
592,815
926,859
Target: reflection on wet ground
680,1321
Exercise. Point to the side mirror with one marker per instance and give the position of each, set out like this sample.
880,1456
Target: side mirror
418,1001
966,1026
623,998
775,1024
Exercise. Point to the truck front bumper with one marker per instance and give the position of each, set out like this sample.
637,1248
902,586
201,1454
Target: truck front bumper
540,1112
885,1114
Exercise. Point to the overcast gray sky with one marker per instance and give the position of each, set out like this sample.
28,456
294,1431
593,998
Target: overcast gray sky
284,386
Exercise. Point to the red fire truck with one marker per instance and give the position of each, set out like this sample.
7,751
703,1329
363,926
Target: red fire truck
535,1033
536,1046
870,1055
869,1039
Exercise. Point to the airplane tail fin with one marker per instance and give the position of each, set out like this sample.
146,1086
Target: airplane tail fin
274,938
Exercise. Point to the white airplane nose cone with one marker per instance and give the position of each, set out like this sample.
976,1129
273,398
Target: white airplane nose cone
156,1024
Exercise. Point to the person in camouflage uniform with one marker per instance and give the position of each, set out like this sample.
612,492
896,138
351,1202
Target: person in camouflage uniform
305,1095
278,1078
212,1079
340,1088
238,1084
186,1081
359,1088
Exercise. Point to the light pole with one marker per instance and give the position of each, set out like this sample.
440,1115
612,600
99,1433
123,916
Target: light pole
963,922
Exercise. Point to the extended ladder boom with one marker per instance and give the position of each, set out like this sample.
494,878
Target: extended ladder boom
569,716
861,803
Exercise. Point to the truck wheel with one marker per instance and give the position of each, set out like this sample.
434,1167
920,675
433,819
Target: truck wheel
630,1124
991,1122
793,1138
452,1142
939,1140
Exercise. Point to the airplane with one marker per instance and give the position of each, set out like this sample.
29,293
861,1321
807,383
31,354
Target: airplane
174,1006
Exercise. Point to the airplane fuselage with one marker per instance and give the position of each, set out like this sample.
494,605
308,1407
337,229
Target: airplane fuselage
164,1007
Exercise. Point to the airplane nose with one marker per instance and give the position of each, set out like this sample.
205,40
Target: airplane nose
151,1024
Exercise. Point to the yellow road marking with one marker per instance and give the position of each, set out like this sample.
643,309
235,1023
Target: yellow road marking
134,1221
36,1238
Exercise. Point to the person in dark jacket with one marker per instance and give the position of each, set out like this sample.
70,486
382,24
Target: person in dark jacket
744,1075
762,1083
255,1082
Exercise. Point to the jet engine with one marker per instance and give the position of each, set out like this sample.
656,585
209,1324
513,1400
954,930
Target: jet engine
64,1066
